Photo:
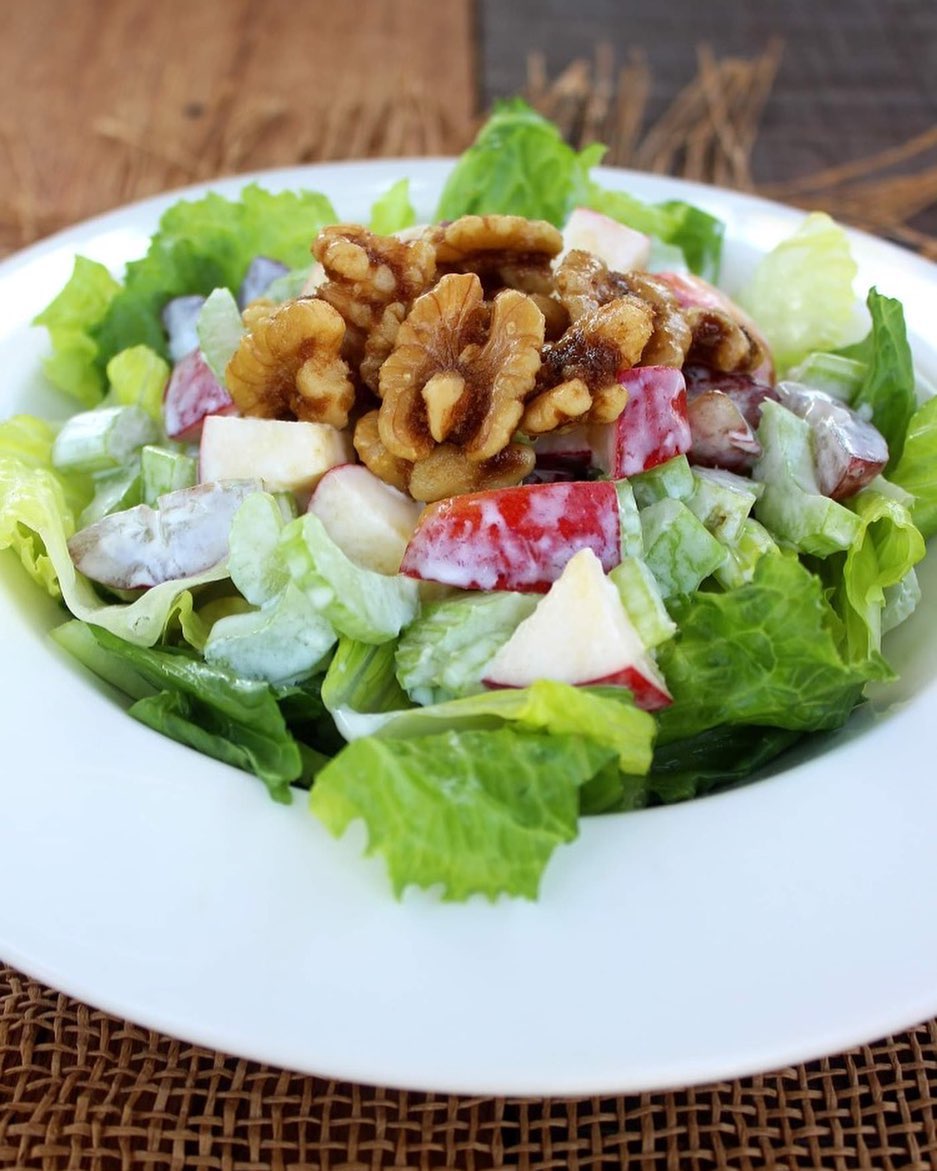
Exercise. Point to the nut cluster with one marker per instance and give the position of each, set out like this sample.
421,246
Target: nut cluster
449,350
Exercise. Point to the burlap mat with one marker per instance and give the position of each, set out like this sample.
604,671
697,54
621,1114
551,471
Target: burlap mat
81,1089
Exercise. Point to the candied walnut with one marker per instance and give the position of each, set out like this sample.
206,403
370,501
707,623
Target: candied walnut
448,472
364,273
378,345
288,365
375,456
578,378
555,315
505,251
584,283
721,342
459,371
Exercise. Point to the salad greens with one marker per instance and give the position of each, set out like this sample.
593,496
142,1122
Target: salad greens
761,601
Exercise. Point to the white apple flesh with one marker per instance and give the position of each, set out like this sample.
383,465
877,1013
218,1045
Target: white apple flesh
288,455
370,521
580,634
620,247
184,535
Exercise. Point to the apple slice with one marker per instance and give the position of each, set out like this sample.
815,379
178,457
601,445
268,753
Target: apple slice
581,634
192,393
370,521
652,428
514,538
620,247
288,455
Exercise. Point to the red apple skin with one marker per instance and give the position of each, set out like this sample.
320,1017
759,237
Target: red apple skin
514,538
192,393
648,695
653,427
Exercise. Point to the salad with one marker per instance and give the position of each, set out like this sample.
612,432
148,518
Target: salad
475,527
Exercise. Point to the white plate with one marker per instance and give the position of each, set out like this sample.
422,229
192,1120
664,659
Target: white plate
774,923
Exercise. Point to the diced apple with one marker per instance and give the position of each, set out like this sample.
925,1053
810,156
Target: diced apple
514,538
620,247
848,451
180,318
261,273
564,454
185,534
370,521
288,455
722,436
192,394
581,634
692,291
652,428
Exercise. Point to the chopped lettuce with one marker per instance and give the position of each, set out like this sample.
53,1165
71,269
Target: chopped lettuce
519,164
916,470
766,653
137,377
445,811
220,329
393,211
362,677
72,319
801,293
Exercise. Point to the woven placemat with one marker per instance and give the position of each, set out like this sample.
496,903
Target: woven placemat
82,1089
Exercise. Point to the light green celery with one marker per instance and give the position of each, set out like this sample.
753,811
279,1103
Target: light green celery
362,678
671,480
831,373
137,377
370,607
165,470
443,653
643,602
743,555
220,329
629,520
254,561
678,549
791,506
901,601
801,294
722,501
113,492
102,439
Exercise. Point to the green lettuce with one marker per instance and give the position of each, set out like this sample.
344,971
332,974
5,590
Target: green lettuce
362,678
137,376
712,759
72,319
766,653
916,469
393,211
470,812
519,164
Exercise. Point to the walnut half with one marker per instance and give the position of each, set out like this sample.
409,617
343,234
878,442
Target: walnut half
288,365
459,371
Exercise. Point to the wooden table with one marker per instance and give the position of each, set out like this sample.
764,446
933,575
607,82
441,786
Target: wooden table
110,100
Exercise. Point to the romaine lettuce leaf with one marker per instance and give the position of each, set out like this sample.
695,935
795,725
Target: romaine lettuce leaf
362,677
470,812
137,377
916,470
888,387
719,756
518,164
393,211
801,294
764,653
71,319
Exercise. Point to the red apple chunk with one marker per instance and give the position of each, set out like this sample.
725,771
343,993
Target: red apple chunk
514,538
192,394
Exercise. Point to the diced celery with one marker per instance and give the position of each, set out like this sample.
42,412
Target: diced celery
102,439
219,328
163,471
113,492
743,554
672,480
900,601
722,501
629,520
831,373
678,549
791,505
641,597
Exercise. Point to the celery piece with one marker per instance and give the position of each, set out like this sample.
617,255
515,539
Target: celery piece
644,605
629,520
672,480
113,492
722,500
677,547
744,553
102,439
163,471
831,373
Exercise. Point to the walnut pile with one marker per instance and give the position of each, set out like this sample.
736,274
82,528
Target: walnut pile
449,349
289,366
